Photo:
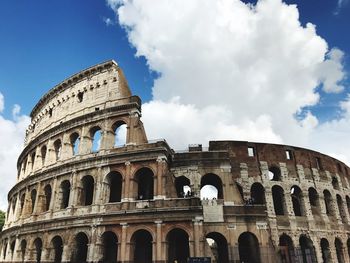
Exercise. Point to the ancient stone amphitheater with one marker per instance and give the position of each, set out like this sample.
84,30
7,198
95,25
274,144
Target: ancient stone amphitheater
92,188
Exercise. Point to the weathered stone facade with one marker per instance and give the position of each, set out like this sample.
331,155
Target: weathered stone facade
82,197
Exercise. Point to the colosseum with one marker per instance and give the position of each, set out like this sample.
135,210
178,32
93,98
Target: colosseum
92,188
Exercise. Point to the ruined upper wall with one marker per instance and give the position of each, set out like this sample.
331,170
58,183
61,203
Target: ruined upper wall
96,88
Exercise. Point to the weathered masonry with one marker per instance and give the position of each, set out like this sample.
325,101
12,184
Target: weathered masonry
92,188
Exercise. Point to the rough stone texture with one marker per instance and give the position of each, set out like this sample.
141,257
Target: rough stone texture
136,188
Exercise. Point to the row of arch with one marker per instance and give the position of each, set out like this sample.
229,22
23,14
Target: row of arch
306,251
144,180
72,146
141,248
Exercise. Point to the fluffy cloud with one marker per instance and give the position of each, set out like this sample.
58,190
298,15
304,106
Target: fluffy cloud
11,141
231,70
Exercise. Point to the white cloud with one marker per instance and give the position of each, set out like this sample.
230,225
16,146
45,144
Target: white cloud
237,71
11,140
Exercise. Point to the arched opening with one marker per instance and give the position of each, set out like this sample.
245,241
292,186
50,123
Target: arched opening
38,245
47,193
248,247
307,250
115,182
178,245
328,203
12,248
120,133
58,148
274,173
57,249
141,242
65,193
218,245
144,181
23,250
348,203
257,193
80,251
341,208
110,247
313,197
87,193
95,134
5,249
22,200
33,159
326,252
297,200
43,154
335,183
75,141
278,200
183,186
33,198
286,249
339,250
211,187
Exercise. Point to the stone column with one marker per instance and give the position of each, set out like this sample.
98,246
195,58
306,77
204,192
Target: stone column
159,187
67,150
197,225
122,256
85,141
54,191
158,251
74,190
126,187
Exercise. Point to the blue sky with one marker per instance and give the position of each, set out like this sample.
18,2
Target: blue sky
205,69
43,42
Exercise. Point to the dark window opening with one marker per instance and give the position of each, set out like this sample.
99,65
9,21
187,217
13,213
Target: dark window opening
110,247
257,193
50,113
248,247
142,243
307,249
335,183
43,154
319,164
48,193
23,198
65,193
274,173
183,186
297,200
80,96
218,245
278,200
341,208
33,198
326,253
115,181
23,250
339,250
88,190
33,159
178,246
57,245
38,244
286,249
328,203
81,248
58,148
12,248
144,180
